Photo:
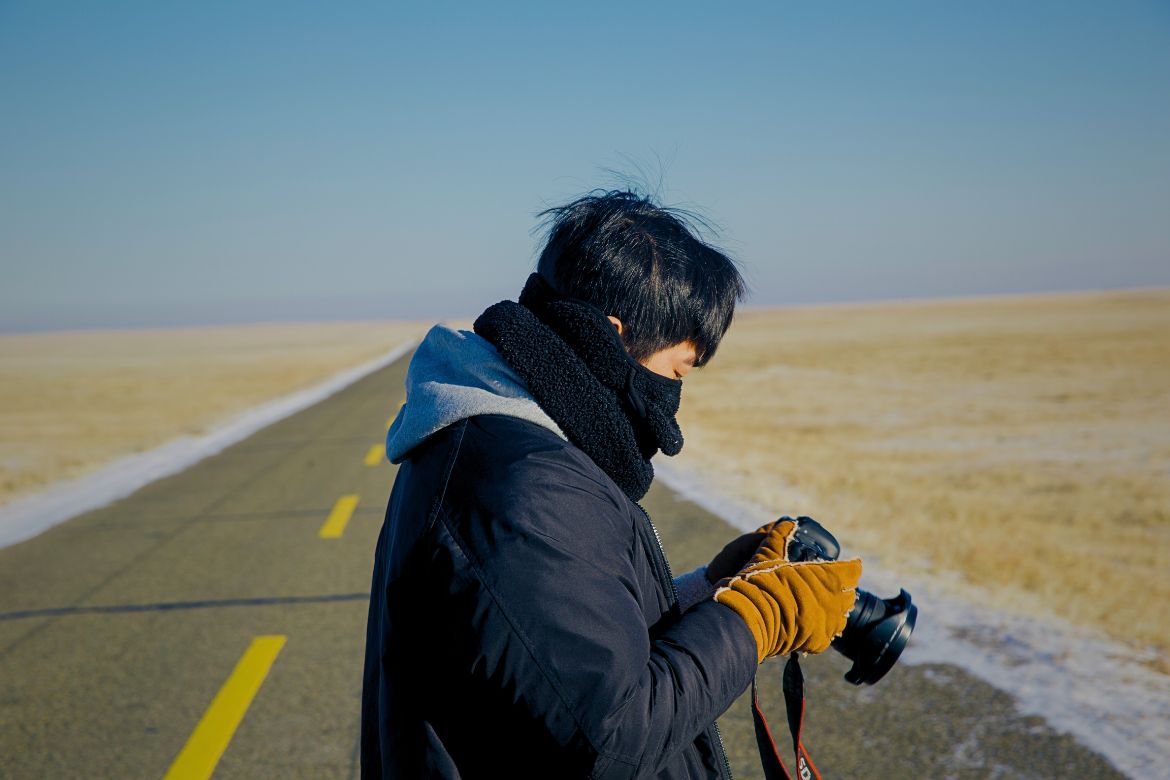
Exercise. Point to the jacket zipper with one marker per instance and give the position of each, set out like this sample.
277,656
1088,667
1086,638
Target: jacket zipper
664,568
662,561
721,750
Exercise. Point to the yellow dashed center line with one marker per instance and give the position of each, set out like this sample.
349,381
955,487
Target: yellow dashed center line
335,524
198,758
376,455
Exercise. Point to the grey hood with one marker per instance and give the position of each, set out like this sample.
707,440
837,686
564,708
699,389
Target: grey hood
453,375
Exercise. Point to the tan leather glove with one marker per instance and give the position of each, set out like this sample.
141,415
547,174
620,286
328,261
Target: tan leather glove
790,607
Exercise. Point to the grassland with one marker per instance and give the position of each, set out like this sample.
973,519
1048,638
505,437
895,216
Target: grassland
73,401
1020,446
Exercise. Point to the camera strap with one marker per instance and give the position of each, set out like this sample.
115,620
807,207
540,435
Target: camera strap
794,703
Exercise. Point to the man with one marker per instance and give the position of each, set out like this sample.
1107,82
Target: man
523,619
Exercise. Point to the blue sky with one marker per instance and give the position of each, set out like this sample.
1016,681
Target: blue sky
167,163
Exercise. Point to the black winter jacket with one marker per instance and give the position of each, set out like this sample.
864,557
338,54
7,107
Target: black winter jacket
523,623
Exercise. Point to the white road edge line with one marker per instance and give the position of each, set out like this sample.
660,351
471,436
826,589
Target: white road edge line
32,515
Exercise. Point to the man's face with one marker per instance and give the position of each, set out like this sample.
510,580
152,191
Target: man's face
672,362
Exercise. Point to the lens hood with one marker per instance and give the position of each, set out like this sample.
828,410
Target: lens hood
876,634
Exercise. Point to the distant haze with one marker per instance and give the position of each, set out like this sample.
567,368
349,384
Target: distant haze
167,164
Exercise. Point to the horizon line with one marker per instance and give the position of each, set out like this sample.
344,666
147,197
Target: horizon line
1155,289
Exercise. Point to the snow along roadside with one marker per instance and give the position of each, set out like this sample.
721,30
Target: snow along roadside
25,518
1080,682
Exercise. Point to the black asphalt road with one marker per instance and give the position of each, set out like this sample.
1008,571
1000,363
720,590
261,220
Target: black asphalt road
120,631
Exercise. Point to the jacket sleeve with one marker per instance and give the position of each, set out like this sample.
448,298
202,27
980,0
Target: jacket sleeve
564,629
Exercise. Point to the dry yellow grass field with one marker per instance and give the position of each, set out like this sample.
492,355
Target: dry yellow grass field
1018,446
73,401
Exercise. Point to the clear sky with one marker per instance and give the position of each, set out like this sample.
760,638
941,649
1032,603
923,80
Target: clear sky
181,163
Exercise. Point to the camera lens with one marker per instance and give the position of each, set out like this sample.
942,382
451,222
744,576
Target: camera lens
875,635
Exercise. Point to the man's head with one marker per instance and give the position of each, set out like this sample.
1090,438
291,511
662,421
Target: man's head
670,295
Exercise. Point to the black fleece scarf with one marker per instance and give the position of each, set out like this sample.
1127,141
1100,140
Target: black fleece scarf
574,363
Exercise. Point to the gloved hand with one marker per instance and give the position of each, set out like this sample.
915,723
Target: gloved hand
739,551
735,555
790,606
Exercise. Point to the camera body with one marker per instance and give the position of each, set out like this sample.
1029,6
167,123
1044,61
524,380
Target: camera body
877,629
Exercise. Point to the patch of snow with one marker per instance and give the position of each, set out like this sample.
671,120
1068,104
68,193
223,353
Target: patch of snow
1101,692
27,517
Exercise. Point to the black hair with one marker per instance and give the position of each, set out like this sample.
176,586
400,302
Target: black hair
644,264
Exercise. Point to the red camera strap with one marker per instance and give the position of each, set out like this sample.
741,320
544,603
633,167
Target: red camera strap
794,703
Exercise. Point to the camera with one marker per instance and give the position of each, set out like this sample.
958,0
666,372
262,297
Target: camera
878,629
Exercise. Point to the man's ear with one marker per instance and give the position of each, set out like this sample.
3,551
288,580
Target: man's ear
616,323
